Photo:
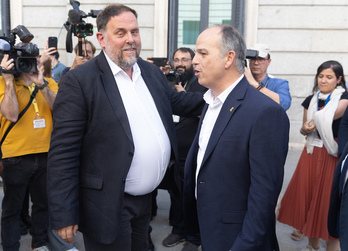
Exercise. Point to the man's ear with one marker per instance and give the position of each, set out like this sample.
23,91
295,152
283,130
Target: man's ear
230,58
101,39
269,62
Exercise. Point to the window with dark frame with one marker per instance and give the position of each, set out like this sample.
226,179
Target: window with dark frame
187,19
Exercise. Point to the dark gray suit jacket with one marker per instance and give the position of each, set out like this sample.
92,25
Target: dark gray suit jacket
92,147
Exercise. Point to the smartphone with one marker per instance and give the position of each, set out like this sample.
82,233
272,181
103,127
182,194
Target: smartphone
159,61
52,42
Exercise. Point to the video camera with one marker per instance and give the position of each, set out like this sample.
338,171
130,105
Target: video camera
174,77
77,26
24,54
252,54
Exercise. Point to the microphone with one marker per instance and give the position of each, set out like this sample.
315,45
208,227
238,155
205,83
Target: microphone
75,4
74,16
68,41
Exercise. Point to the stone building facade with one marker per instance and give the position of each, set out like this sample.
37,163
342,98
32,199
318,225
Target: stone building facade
301,34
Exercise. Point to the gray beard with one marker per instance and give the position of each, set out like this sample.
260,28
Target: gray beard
120,62
126,65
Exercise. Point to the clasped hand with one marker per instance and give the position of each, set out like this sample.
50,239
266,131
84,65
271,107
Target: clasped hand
67,233
309,127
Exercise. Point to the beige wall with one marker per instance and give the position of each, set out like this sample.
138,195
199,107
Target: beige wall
301,34
45,18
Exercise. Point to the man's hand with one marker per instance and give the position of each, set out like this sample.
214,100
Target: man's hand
9,104
179,87
79,60
67,233
7,64
250,78
166,68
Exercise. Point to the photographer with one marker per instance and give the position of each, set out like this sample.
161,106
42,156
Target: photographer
275,88
25,147
88,51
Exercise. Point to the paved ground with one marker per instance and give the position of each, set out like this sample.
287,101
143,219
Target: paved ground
161,228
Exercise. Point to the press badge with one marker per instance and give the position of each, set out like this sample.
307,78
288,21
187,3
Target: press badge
317,143
39,122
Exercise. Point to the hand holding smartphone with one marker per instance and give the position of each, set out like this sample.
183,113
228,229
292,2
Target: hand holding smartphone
52,42
159,61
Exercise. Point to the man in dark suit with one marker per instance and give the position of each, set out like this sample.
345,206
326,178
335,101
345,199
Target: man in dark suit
234,170
338,212
342,137
186,128
112,140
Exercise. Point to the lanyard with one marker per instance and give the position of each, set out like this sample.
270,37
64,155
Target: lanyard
326,101
266,82
36,107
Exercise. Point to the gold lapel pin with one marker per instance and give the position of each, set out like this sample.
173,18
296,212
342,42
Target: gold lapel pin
231,109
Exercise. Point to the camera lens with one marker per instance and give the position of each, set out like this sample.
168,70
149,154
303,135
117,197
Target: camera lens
26,64
171,78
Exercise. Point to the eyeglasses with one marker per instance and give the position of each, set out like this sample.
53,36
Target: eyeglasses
184,60
259,59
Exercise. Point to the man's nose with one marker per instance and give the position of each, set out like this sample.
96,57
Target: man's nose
194,60
129,38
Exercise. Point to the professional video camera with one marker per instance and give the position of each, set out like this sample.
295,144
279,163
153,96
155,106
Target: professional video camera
252,54
24,54
77,26
174,77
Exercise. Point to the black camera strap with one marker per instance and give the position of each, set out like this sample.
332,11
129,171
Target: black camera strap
32,96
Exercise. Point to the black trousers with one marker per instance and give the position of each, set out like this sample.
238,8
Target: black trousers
176,211
22,173
134,225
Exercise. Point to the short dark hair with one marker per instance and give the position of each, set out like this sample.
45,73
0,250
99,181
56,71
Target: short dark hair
337,69
111,11
185,50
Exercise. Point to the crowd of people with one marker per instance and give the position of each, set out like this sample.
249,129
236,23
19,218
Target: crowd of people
92,155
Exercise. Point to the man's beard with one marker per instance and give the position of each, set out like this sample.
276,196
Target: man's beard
119,60
122,63
187,74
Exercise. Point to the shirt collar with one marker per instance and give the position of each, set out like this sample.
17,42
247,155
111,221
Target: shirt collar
20,82
209,98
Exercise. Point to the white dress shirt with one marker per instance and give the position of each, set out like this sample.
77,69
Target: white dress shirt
213,111
151,141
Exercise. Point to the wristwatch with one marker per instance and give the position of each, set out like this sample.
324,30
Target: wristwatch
261,85
43,85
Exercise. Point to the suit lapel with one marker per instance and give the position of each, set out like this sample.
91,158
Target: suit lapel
231,104
113,94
